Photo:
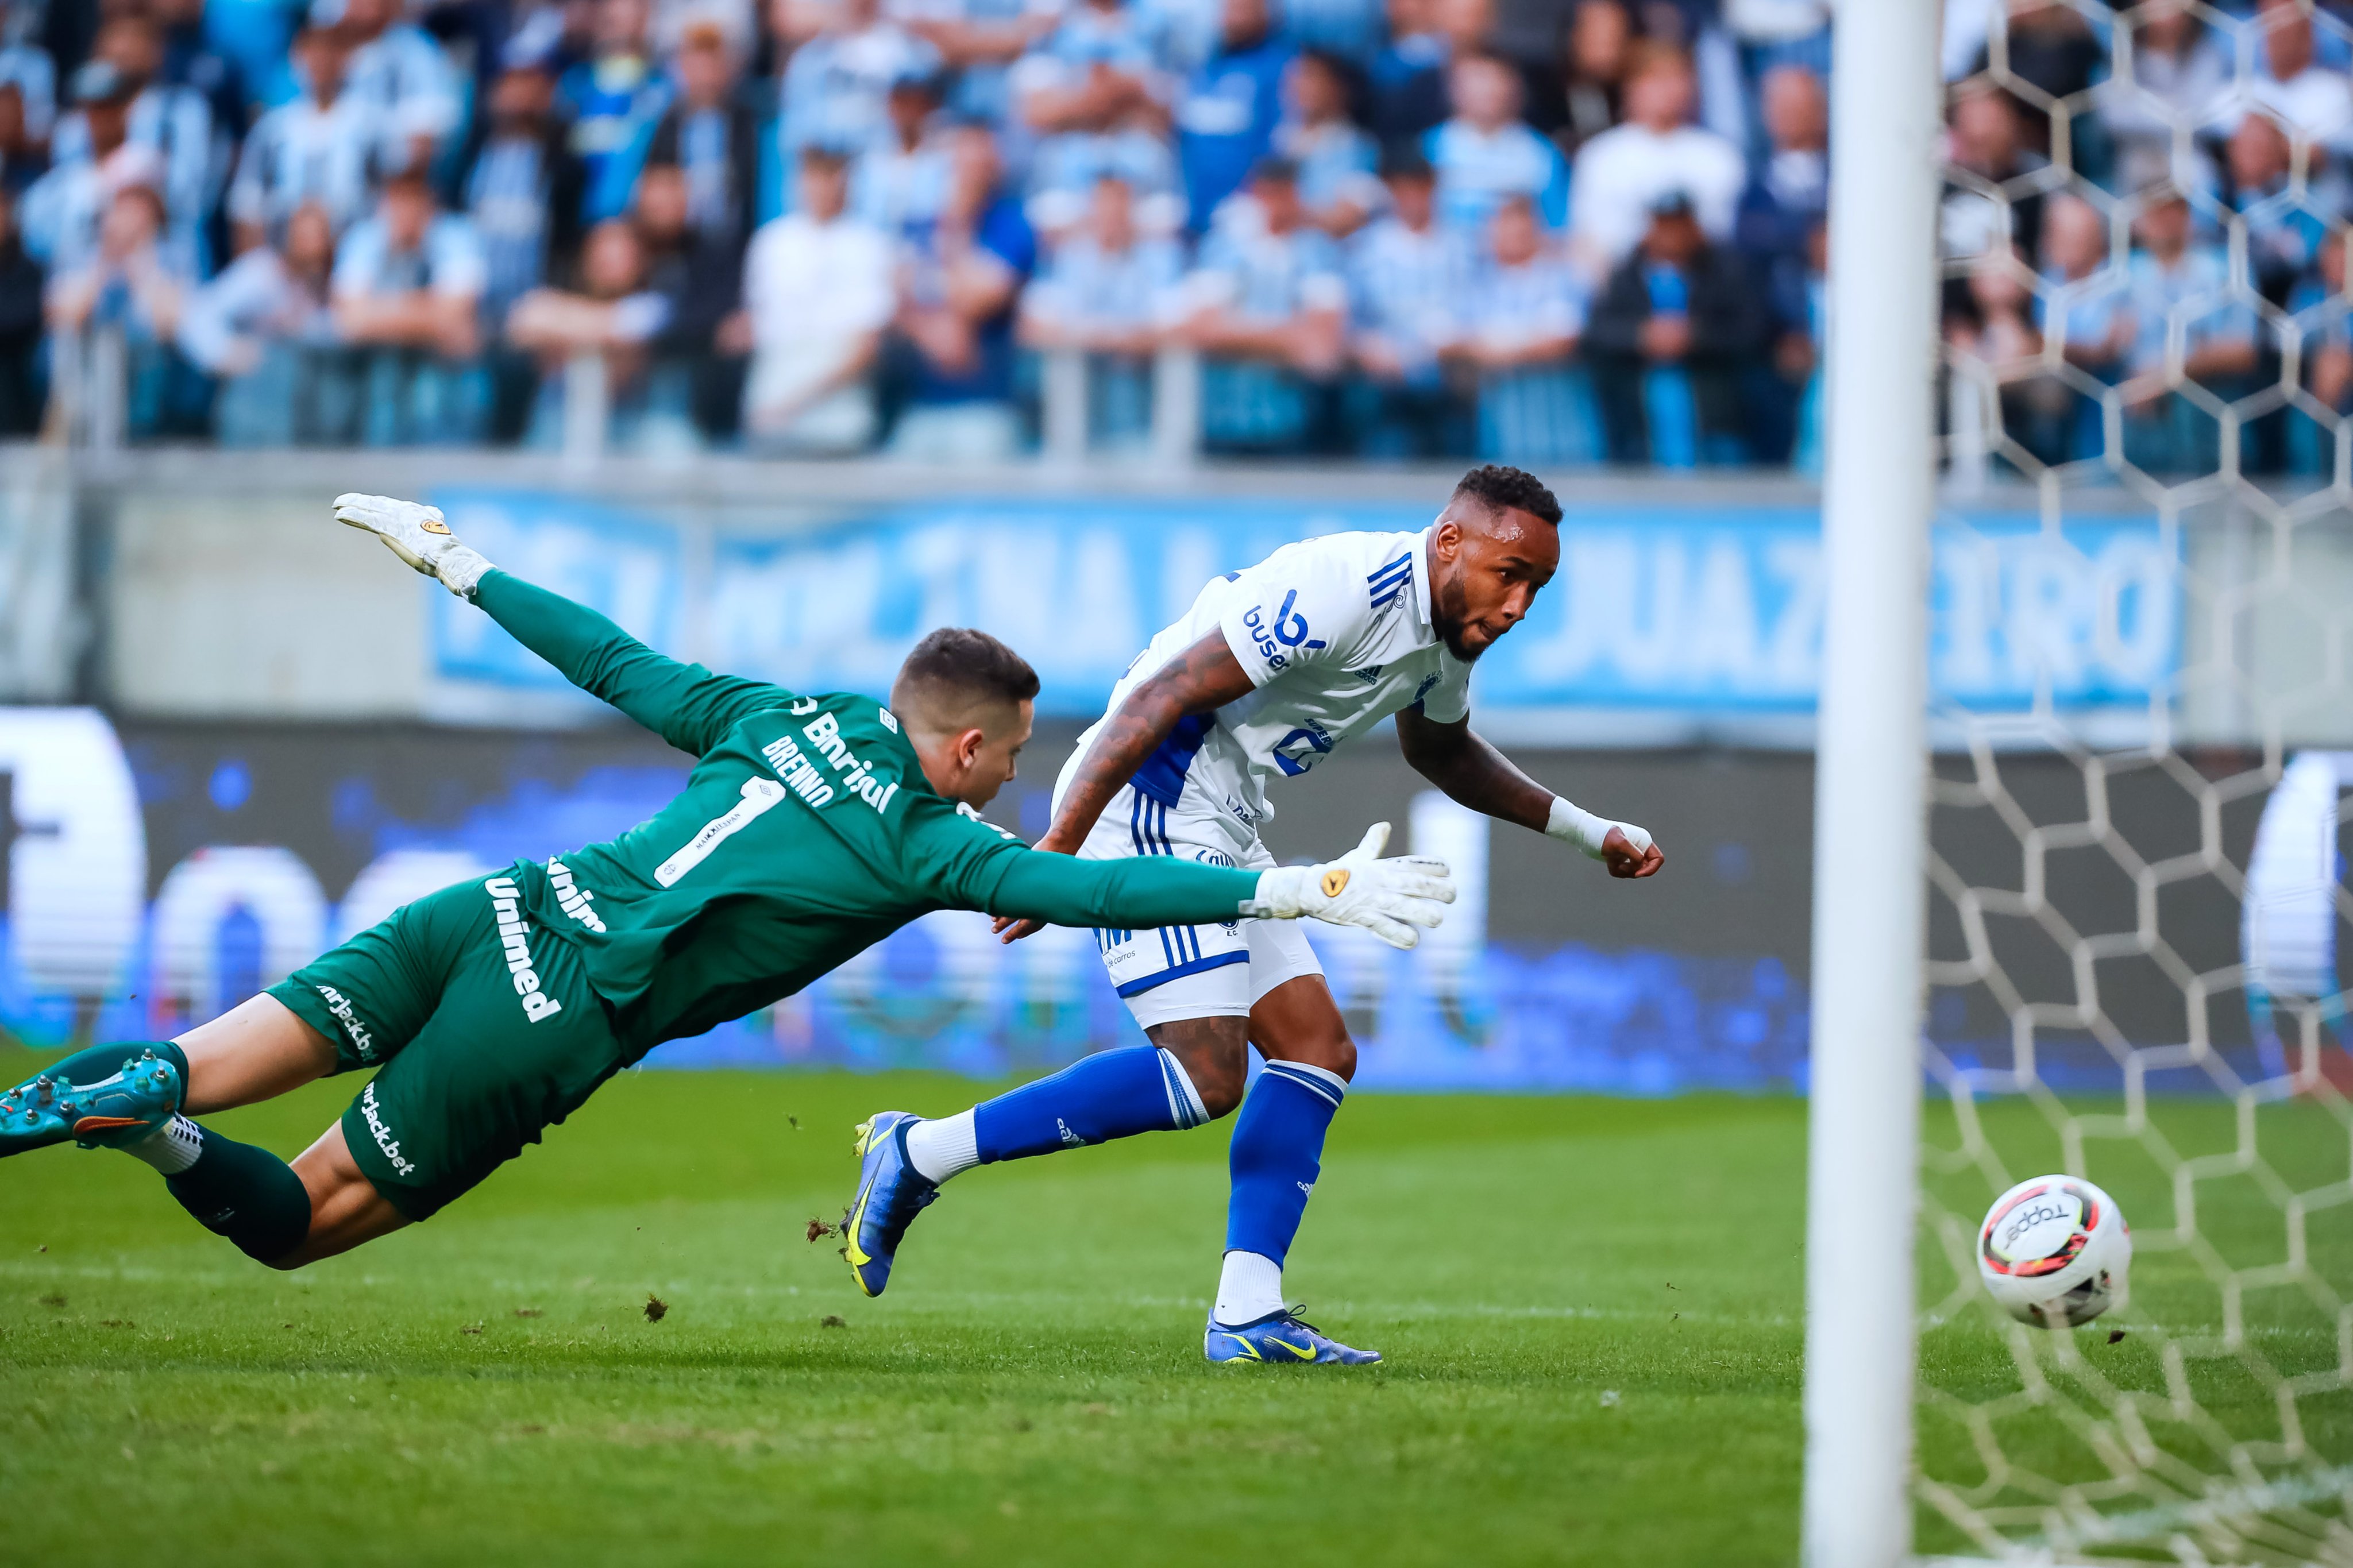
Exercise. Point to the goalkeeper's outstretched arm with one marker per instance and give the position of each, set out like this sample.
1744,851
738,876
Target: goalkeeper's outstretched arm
1389,898
685,704
1474,774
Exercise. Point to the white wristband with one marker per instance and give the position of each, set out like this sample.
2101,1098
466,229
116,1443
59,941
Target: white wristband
460,570
1576,826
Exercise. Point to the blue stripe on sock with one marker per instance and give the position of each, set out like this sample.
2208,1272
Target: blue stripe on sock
1307,1081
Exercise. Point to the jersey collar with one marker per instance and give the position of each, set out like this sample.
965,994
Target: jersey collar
1421,578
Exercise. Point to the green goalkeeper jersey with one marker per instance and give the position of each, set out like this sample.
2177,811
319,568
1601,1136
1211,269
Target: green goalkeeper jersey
804,834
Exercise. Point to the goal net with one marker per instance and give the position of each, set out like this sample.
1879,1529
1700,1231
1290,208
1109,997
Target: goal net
2142,733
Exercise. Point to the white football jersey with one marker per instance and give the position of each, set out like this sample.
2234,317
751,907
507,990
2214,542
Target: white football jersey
1336,635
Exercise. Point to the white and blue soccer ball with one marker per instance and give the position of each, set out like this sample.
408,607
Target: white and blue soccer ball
2054,1251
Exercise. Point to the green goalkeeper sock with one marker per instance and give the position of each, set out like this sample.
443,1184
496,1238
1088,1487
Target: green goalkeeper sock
248,1194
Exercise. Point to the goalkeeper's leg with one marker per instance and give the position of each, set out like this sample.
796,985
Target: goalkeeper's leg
137,1097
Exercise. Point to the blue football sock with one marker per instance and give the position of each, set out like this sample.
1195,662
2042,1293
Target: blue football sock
1111,1094
1277,1154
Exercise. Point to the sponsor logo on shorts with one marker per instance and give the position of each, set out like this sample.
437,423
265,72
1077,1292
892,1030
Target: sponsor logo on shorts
573,898
340,1007
506,909
1069,1139
383,1134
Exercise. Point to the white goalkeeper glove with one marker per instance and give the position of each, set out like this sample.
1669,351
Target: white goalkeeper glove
418,534
1387,898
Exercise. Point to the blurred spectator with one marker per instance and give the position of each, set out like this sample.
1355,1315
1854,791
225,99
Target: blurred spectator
263,329
1670,336
1790,191
1594,49
1772,34
1408,277
317,148
2284,228
614,316
1997,349
173,124
711,137
400,74
2313,102
809,387
21,314
2179,76
408,285
1108,290
22,160
1135,152
2324,316
1335,158
1487,151
902,177
1227,116
28,68
835,84
128,282
64,208
1269,306
2052,49
2082,302
2180,291
1623,172
1091,72
1523,311
610,100
1410,93
956,306
1986,152
978,41
190,60
1348,30
521,185
701,273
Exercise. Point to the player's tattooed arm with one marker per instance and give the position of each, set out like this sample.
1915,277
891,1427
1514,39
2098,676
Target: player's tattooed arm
1204,678
1472,772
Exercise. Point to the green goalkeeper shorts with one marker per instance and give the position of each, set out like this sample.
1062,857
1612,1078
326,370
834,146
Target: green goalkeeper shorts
481,1027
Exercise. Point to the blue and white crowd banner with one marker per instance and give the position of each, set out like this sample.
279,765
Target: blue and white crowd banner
1697,611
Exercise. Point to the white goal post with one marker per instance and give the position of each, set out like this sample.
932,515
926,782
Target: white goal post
1870,791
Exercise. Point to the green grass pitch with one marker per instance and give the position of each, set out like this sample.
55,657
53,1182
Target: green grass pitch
1590,1308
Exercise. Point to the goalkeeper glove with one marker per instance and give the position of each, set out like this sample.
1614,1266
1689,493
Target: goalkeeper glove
418,534
1387,898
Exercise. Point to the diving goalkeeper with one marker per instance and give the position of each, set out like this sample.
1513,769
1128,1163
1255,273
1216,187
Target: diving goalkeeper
811,828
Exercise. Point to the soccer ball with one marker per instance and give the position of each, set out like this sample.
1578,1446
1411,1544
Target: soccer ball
2054,1251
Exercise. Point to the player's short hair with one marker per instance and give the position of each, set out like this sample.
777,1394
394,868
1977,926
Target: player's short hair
956,667
1498,488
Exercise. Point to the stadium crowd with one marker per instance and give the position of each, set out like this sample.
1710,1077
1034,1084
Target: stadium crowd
1534,231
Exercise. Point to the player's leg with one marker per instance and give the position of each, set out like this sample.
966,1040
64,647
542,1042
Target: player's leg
1188,986
1278,1153
136,1097
1158,1087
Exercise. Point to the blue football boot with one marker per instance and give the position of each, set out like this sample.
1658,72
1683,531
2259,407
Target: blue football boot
891,1194
1278,1337
109,1114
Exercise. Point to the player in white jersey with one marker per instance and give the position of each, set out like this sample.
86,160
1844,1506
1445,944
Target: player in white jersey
1272,669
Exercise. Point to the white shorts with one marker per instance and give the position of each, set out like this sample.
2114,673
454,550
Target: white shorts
1192,972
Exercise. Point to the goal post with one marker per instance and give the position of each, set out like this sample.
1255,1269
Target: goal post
1871,784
